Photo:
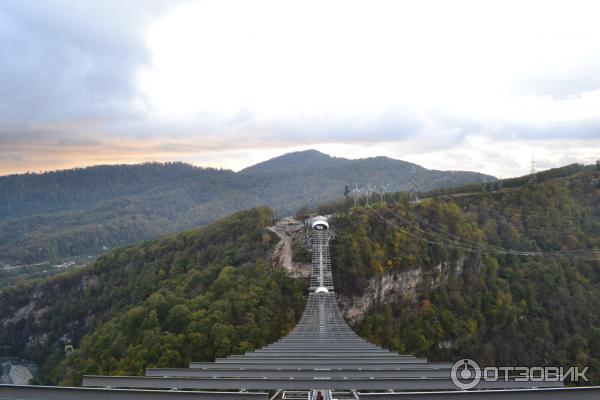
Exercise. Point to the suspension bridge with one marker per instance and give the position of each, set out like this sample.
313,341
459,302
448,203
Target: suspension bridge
321,354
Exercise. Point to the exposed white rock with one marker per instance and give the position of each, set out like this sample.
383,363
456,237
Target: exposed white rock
396,285
20,375
21,314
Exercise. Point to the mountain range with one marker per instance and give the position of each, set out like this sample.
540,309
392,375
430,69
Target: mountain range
83,211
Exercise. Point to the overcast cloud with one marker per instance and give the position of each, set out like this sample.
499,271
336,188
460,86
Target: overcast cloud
450,85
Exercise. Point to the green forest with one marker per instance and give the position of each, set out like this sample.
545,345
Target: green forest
198,295
475,299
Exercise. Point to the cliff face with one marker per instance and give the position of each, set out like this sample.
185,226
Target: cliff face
396,286
35,312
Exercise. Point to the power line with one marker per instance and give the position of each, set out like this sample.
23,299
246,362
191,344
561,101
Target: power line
485,245
529,217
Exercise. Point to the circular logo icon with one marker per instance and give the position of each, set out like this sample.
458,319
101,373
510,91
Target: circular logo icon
465,374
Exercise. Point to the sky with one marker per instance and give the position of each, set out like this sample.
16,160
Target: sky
477,85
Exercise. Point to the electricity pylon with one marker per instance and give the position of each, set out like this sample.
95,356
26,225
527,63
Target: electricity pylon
532,173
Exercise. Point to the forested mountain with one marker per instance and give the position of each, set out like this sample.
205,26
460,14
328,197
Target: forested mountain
505,278
197,295
510,277
85,211
310,178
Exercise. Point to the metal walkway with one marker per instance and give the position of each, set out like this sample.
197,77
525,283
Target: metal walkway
321,354
321,260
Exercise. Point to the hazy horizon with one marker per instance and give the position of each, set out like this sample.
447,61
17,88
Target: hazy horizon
461,85
206,166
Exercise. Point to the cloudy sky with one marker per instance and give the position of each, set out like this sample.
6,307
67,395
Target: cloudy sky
474,85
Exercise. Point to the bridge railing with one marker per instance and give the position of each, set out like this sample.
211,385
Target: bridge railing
11,392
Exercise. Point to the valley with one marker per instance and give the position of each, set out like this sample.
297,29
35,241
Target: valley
435,280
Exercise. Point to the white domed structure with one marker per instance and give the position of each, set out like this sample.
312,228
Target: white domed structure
320,223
